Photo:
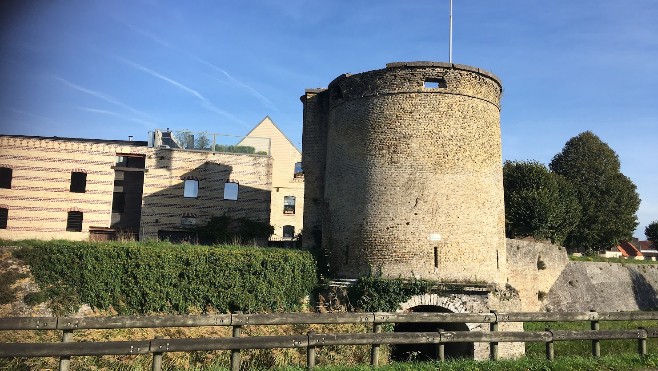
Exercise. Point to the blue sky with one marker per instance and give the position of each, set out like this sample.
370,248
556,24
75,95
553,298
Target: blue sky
112,68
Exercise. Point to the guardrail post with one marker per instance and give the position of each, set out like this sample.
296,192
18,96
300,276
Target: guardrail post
642,343
550,350
235,353
157,359
374,351
441,348
493,346
310,353
596,344
64,362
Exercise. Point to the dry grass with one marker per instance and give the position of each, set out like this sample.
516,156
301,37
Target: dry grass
251,359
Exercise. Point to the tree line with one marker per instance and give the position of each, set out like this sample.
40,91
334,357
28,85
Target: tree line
581,200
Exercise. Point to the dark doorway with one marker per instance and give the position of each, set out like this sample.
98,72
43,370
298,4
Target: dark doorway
127,196
428,352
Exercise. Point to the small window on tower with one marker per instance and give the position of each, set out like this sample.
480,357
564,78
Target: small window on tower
432,83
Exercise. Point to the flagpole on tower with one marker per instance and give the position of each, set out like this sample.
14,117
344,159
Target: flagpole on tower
450,44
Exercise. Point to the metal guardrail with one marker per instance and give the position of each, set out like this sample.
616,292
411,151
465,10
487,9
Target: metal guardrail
158,346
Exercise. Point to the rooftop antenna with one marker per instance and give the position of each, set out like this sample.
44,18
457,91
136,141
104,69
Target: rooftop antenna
450,44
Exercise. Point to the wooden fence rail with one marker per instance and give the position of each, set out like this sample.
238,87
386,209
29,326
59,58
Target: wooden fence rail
158,346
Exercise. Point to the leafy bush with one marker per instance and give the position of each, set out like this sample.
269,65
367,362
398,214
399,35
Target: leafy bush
374,293
224,229
234,149
161,277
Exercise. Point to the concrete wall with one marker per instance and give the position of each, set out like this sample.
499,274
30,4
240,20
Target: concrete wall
558,284
584,286
403,162
533,268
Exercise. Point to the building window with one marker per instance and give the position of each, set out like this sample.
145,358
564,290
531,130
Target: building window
288,231
191,188
289,204
299,172
74,221
5,177
4,214
231,190
130,160
435,84
78,182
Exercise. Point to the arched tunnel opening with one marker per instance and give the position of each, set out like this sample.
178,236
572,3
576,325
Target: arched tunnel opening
428,352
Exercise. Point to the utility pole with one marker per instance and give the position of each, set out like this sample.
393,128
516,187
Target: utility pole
450,43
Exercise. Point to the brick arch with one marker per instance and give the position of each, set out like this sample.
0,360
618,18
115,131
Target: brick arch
452,303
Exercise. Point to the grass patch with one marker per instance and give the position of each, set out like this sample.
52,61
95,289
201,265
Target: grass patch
583,348
570,363
597,258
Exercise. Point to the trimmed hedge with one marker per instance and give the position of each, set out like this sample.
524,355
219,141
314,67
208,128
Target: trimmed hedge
161,277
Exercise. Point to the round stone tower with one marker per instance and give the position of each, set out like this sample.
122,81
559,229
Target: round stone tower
403,173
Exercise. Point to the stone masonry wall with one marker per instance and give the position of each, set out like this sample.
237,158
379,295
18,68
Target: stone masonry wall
314,152
404,162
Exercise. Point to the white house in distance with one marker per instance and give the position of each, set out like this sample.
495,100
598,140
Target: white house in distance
287,201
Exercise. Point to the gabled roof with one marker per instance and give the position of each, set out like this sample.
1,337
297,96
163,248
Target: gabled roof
277,128
627,249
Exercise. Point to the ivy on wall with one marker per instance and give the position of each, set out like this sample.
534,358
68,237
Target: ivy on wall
378,294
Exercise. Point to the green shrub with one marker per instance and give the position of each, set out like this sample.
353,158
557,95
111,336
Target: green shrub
374,293
161,277
234,149
224,229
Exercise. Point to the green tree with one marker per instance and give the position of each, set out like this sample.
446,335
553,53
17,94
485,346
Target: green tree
538,203
202,141
608,198
185,139
651,231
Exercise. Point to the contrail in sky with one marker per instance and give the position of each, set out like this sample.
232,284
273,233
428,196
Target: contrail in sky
105,97
206,103
266,101
147,124
239,83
